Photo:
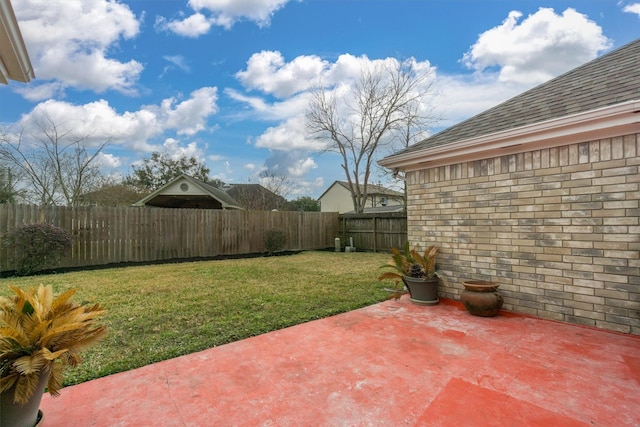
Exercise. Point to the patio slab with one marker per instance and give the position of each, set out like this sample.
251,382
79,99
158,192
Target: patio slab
390,364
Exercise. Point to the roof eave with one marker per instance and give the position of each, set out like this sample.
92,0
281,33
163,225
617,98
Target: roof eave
606,122
14,59
225,205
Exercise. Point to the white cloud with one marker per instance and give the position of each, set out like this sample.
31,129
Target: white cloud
632,8
69,41
458,97
100,122
257,104
97,120
289,135
262,109
293,82
514,57
177,61
176,150
189,116
222,13
192,26
268,72
540,47
108,161
42,91
301,167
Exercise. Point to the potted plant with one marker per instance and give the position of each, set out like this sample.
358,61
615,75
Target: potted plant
39,337
481,297
417,271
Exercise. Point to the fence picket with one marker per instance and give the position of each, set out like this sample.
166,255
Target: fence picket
376,232
104,235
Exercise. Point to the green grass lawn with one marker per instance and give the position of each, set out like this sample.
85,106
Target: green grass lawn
163,311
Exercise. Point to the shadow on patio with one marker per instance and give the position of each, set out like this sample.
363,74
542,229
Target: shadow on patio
389,364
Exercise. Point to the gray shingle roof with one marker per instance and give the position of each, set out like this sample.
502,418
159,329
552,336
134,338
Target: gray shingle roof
610,79
225,200
374,190
214,191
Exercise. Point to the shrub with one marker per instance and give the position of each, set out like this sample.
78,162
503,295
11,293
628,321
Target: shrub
34,247
274,239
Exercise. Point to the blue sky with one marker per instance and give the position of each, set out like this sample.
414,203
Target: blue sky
229,80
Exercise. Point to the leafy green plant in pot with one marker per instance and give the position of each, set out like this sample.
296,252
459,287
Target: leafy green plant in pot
417,271
40,335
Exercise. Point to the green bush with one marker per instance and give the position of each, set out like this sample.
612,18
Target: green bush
35,247
274,239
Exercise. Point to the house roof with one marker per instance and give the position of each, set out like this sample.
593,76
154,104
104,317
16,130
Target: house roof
14,59
609,80
210,191
380,209
255,196
372,190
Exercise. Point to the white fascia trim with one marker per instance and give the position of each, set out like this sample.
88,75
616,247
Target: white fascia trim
13,52
606,122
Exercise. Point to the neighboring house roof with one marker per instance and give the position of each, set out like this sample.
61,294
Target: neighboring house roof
14,58
372,190
208,196
381,209
256,197
111,195
601,94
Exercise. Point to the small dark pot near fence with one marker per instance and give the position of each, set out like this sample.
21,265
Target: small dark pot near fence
481,298
423,291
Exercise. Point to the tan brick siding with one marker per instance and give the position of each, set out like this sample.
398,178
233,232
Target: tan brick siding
558,228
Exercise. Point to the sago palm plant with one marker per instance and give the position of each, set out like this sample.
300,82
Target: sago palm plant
410,262
426,261
42,335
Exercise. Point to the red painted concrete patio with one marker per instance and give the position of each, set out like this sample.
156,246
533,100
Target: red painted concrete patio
390,364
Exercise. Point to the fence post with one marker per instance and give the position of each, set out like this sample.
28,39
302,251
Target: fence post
375,234
367,228
129,234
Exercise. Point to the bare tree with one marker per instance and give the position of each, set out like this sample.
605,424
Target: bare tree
418,119
386,98
9,191
276,183
268,195
255,197
56,166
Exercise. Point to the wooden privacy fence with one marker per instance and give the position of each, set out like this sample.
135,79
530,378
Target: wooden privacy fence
104,235
377,232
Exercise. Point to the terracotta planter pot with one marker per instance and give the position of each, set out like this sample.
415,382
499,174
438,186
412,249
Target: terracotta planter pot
481,298
423,291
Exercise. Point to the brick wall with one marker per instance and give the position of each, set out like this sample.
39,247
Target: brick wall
558,228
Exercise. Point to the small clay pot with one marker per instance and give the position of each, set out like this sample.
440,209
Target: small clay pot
481,298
